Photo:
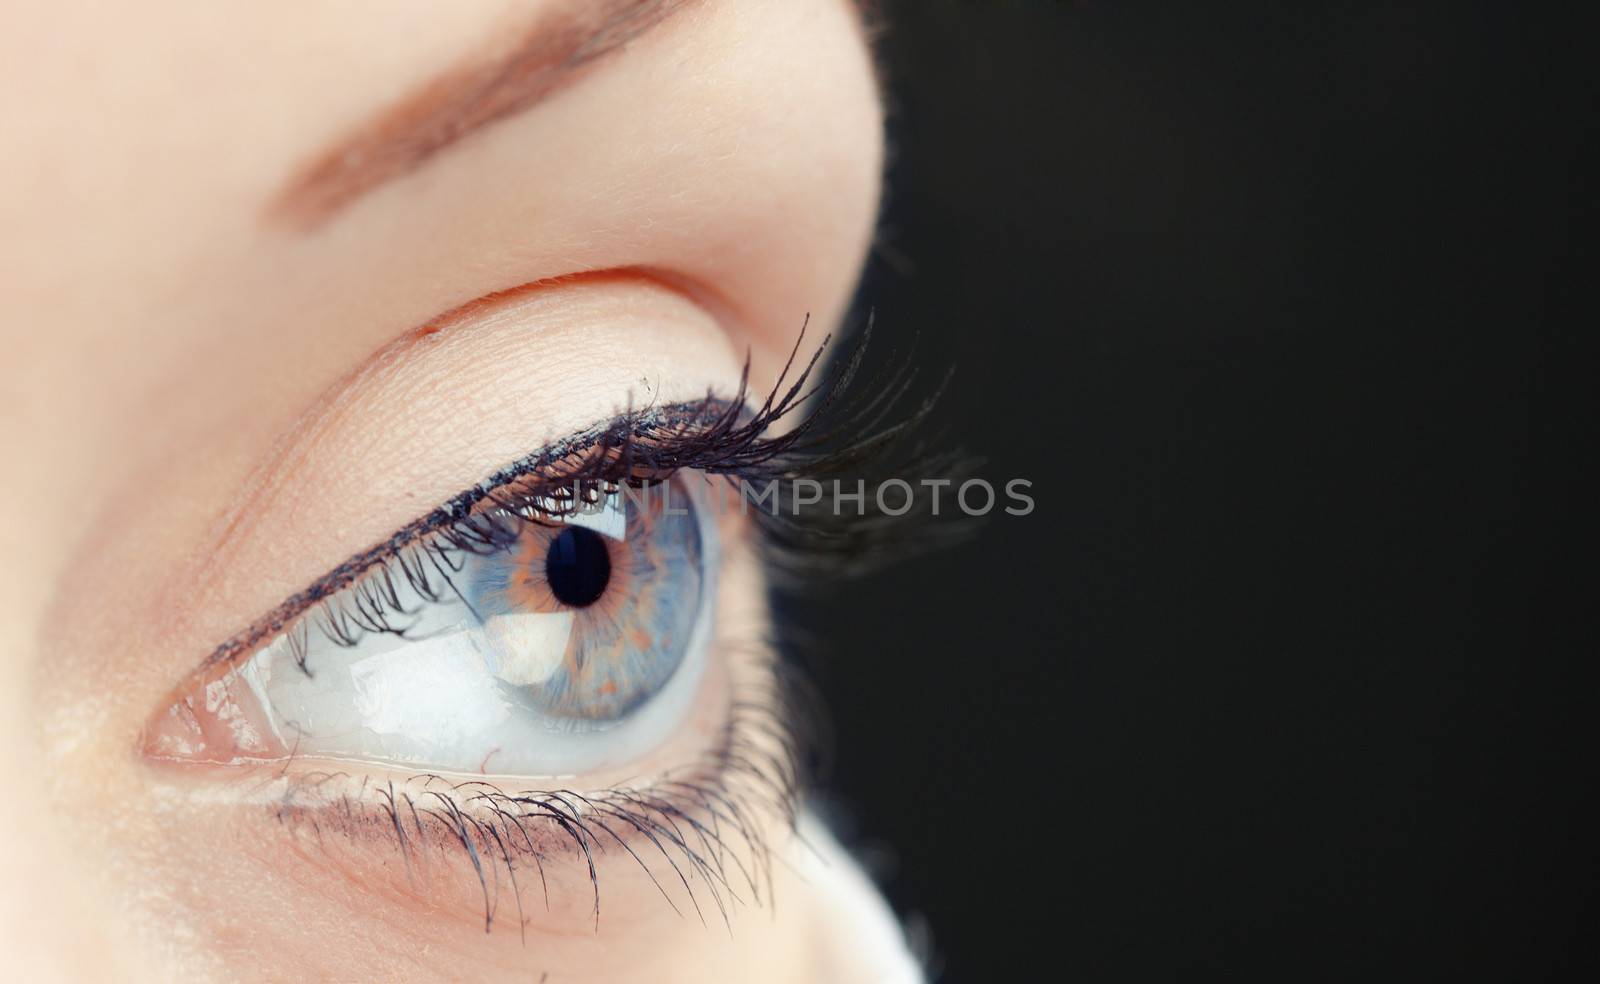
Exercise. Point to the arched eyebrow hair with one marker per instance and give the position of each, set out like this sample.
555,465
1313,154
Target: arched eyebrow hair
488,86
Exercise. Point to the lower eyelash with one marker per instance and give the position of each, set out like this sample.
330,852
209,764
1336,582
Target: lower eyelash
701,826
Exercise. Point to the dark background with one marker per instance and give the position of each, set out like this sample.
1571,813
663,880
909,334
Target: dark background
1277,682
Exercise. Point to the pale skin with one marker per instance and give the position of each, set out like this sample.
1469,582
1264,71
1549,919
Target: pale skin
210,398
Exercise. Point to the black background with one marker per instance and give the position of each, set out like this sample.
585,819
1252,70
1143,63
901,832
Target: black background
1276,683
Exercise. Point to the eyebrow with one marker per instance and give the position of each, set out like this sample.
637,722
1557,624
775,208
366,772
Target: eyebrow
491,86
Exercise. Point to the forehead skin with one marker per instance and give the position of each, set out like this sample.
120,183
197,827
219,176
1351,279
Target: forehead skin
164,336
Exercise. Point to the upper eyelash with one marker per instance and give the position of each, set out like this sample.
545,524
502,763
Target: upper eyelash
719,436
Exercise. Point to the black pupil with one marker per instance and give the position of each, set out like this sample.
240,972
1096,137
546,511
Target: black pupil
578,566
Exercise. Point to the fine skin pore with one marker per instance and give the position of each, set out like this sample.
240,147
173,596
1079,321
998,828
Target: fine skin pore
214,391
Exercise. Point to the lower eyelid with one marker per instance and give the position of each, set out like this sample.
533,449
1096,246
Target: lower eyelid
691,840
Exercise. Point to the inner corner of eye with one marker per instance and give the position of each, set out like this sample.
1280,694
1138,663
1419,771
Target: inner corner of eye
554,648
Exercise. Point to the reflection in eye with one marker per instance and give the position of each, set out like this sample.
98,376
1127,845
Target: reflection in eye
576,644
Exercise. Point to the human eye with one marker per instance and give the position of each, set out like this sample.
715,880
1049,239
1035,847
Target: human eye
541,677
547,634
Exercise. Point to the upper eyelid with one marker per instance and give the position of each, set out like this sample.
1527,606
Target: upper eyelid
738,448
632,424
735,420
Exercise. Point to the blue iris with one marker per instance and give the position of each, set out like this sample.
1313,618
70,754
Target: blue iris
633,601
